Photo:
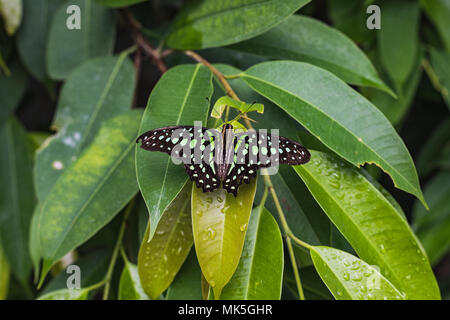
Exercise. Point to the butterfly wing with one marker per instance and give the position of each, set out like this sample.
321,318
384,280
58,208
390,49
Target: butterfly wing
257,149
198,163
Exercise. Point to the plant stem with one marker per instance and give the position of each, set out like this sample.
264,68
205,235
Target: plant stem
269,187
229,91
109,273
295,268
142,42
433,77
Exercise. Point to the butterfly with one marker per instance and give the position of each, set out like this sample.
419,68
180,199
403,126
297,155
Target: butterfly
213,158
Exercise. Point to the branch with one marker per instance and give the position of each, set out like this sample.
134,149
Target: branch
142,42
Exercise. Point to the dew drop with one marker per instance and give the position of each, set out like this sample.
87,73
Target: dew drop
346,276
211,233
382,248
243,227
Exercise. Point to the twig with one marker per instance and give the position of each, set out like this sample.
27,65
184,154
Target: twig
229,91
142,42
269,187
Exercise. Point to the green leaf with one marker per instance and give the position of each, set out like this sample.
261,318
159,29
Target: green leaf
338,116
376,230
306,39
12,89
33,33
130,285
440,62
33,243
398,39
439,12
241,106
101,182
433,226
396,108
4,275
431,152
67,48
96,91
350,278
11,12
187,283
259,274
118,3
219,223
179,98
213,24
350,17
17,197
161,257
66,294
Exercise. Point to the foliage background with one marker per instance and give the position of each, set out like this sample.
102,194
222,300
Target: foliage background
50,77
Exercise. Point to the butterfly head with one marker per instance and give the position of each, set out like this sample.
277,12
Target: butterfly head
226,127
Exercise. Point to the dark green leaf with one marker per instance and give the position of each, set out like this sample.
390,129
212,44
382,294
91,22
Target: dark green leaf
12,88
17,197
259,274
305,39
118,3
398,40
67,48
213,24
433,226
33,33
440,62
439,13
431,152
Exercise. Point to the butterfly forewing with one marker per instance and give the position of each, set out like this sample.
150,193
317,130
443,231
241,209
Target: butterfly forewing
193,146
211,158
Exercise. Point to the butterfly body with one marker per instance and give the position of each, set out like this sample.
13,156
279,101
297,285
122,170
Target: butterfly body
224,158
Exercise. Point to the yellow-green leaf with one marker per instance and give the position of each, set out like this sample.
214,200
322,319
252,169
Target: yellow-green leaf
130,287
349,278
220,221
101,182
11,11
160,258
66,294
4,275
